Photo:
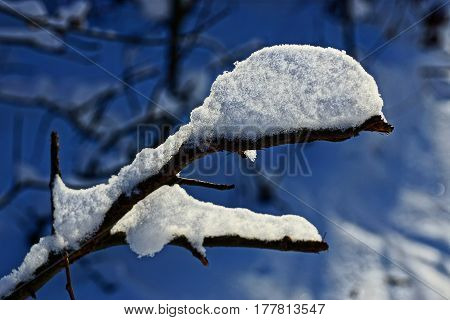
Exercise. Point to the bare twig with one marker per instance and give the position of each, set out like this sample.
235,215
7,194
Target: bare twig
69,287
183,242
54,169
54,158
206,184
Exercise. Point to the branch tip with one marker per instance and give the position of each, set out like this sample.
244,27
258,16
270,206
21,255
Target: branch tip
377,124
54,157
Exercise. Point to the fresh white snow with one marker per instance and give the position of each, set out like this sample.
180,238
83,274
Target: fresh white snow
78,213
35,258
170,212
250,154
284,88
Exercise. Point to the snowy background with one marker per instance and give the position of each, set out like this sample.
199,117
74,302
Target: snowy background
382,202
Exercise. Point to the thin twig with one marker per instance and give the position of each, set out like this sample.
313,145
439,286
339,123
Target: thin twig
197,254
54,157
69,287
54,169
206,184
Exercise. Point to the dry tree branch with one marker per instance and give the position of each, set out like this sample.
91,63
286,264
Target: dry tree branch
206,184
167,176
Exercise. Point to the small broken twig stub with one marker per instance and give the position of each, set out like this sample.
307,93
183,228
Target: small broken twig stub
69,286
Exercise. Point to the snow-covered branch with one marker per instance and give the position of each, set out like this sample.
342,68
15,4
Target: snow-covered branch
231,241
279,95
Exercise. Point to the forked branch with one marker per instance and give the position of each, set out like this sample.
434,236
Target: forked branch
168,176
